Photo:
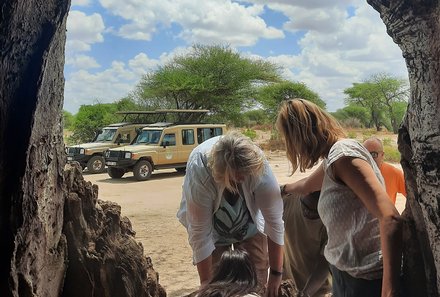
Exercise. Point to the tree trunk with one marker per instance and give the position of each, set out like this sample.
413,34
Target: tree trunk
33,258
414,26
40,255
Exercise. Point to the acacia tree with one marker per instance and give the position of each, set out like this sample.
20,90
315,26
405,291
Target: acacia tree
379,94
208,77
414,26
271,95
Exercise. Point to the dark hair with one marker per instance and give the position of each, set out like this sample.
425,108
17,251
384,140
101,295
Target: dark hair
234,276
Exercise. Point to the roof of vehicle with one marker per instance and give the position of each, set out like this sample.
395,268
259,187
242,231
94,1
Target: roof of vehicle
118,124
165,115
164,125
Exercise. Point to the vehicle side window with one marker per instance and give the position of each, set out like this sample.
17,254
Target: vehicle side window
125,137
188,136
218,131
171,138
206,133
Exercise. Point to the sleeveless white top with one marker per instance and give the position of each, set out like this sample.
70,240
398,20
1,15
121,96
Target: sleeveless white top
353,233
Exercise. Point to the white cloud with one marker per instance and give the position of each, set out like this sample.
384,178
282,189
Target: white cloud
209,21
338,46
333,56
83,31
119,80
82,62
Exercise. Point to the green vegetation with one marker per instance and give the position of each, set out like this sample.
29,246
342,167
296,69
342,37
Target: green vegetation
351,134
384,97
271,96
252,134
209,77
392,154
242,92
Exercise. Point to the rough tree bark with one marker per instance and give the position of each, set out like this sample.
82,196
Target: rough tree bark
51,223
414,25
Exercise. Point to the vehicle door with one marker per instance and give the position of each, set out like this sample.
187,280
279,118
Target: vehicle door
168,153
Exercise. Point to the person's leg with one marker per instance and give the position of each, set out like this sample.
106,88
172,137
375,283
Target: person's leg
344,285
256,247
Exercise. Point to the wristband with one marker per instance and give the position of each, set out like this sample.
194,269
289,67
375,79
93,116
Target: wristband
275,272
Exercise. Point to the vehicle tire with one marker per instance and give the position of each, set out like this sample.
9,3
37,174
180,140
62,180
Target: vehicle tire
114,172
142,170
181,169
96,164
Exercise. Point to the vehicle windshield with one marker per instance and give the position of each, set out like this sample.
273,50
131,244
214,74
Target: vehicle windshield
148,137
105,135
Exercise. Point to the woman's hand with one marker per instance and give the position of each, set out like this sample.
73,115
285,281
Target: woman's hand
273,285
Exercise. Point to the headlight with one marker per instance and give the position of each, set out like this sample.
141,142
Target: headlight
107,153
82,151
127,155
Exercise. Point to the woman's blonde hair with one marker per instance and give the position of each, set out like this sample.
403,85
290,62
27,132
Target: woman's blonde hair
308,131
235,154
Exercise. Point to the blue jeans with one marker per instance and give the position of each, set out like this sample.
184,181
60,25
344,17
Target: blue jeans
345,285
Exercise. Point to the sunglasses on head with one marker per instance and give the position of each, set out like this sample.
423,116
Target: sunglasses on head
374,154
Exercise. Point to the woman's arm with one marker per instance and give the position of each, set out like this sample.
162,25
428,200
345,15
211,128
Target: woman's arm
275,252
307,185
359,176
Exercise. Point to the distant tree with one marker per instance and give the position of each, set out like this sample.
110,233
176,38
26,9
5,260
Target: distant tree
253,117
68,119
90,119
209,77
353,112
128,103
378,94
271,95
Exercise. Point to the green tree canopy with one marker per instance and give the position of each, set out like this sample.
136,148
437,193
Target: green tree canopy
347,114
68,119
90,119
378,95
271,95
209,77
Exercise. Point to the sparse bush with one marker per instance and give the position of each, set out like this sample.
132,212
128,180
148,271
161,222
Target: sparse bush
392,154
367,133
252,134
351,134
351,123
386,141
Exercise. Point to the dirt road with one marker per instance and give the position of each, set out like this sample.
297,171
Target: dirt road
151,207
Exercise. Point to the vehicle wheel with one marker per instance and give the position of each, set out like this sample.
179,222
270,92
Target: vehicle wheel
142,170
115,172
181,169
96,164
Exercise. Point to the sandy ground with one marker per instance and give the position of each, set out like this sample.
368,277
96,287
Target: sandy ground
151,207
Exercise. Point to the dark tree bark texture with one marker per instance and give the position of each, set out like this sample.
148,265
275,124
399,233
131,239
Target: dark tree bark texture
32,38
57,239
414,25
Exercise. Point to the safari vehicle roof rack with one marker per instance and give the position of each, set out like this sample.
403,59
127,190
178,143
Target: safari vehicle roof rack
176,116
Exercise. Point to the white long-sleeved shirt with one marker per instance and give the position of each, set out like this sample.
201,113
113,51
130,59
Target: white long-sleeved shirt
201,198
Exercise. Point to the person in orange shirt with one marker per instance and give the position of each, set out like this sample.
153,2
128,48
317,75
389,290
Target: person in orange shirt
394,180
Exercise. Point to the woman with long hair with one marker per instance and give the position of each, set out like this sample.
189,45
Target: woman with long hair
363,226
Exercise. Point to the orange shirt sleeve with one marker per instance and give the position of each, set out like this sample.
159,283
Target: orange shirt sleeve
394,180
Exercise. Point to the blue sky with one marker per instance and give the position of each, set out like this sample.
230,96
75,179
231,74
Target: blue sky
326,44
